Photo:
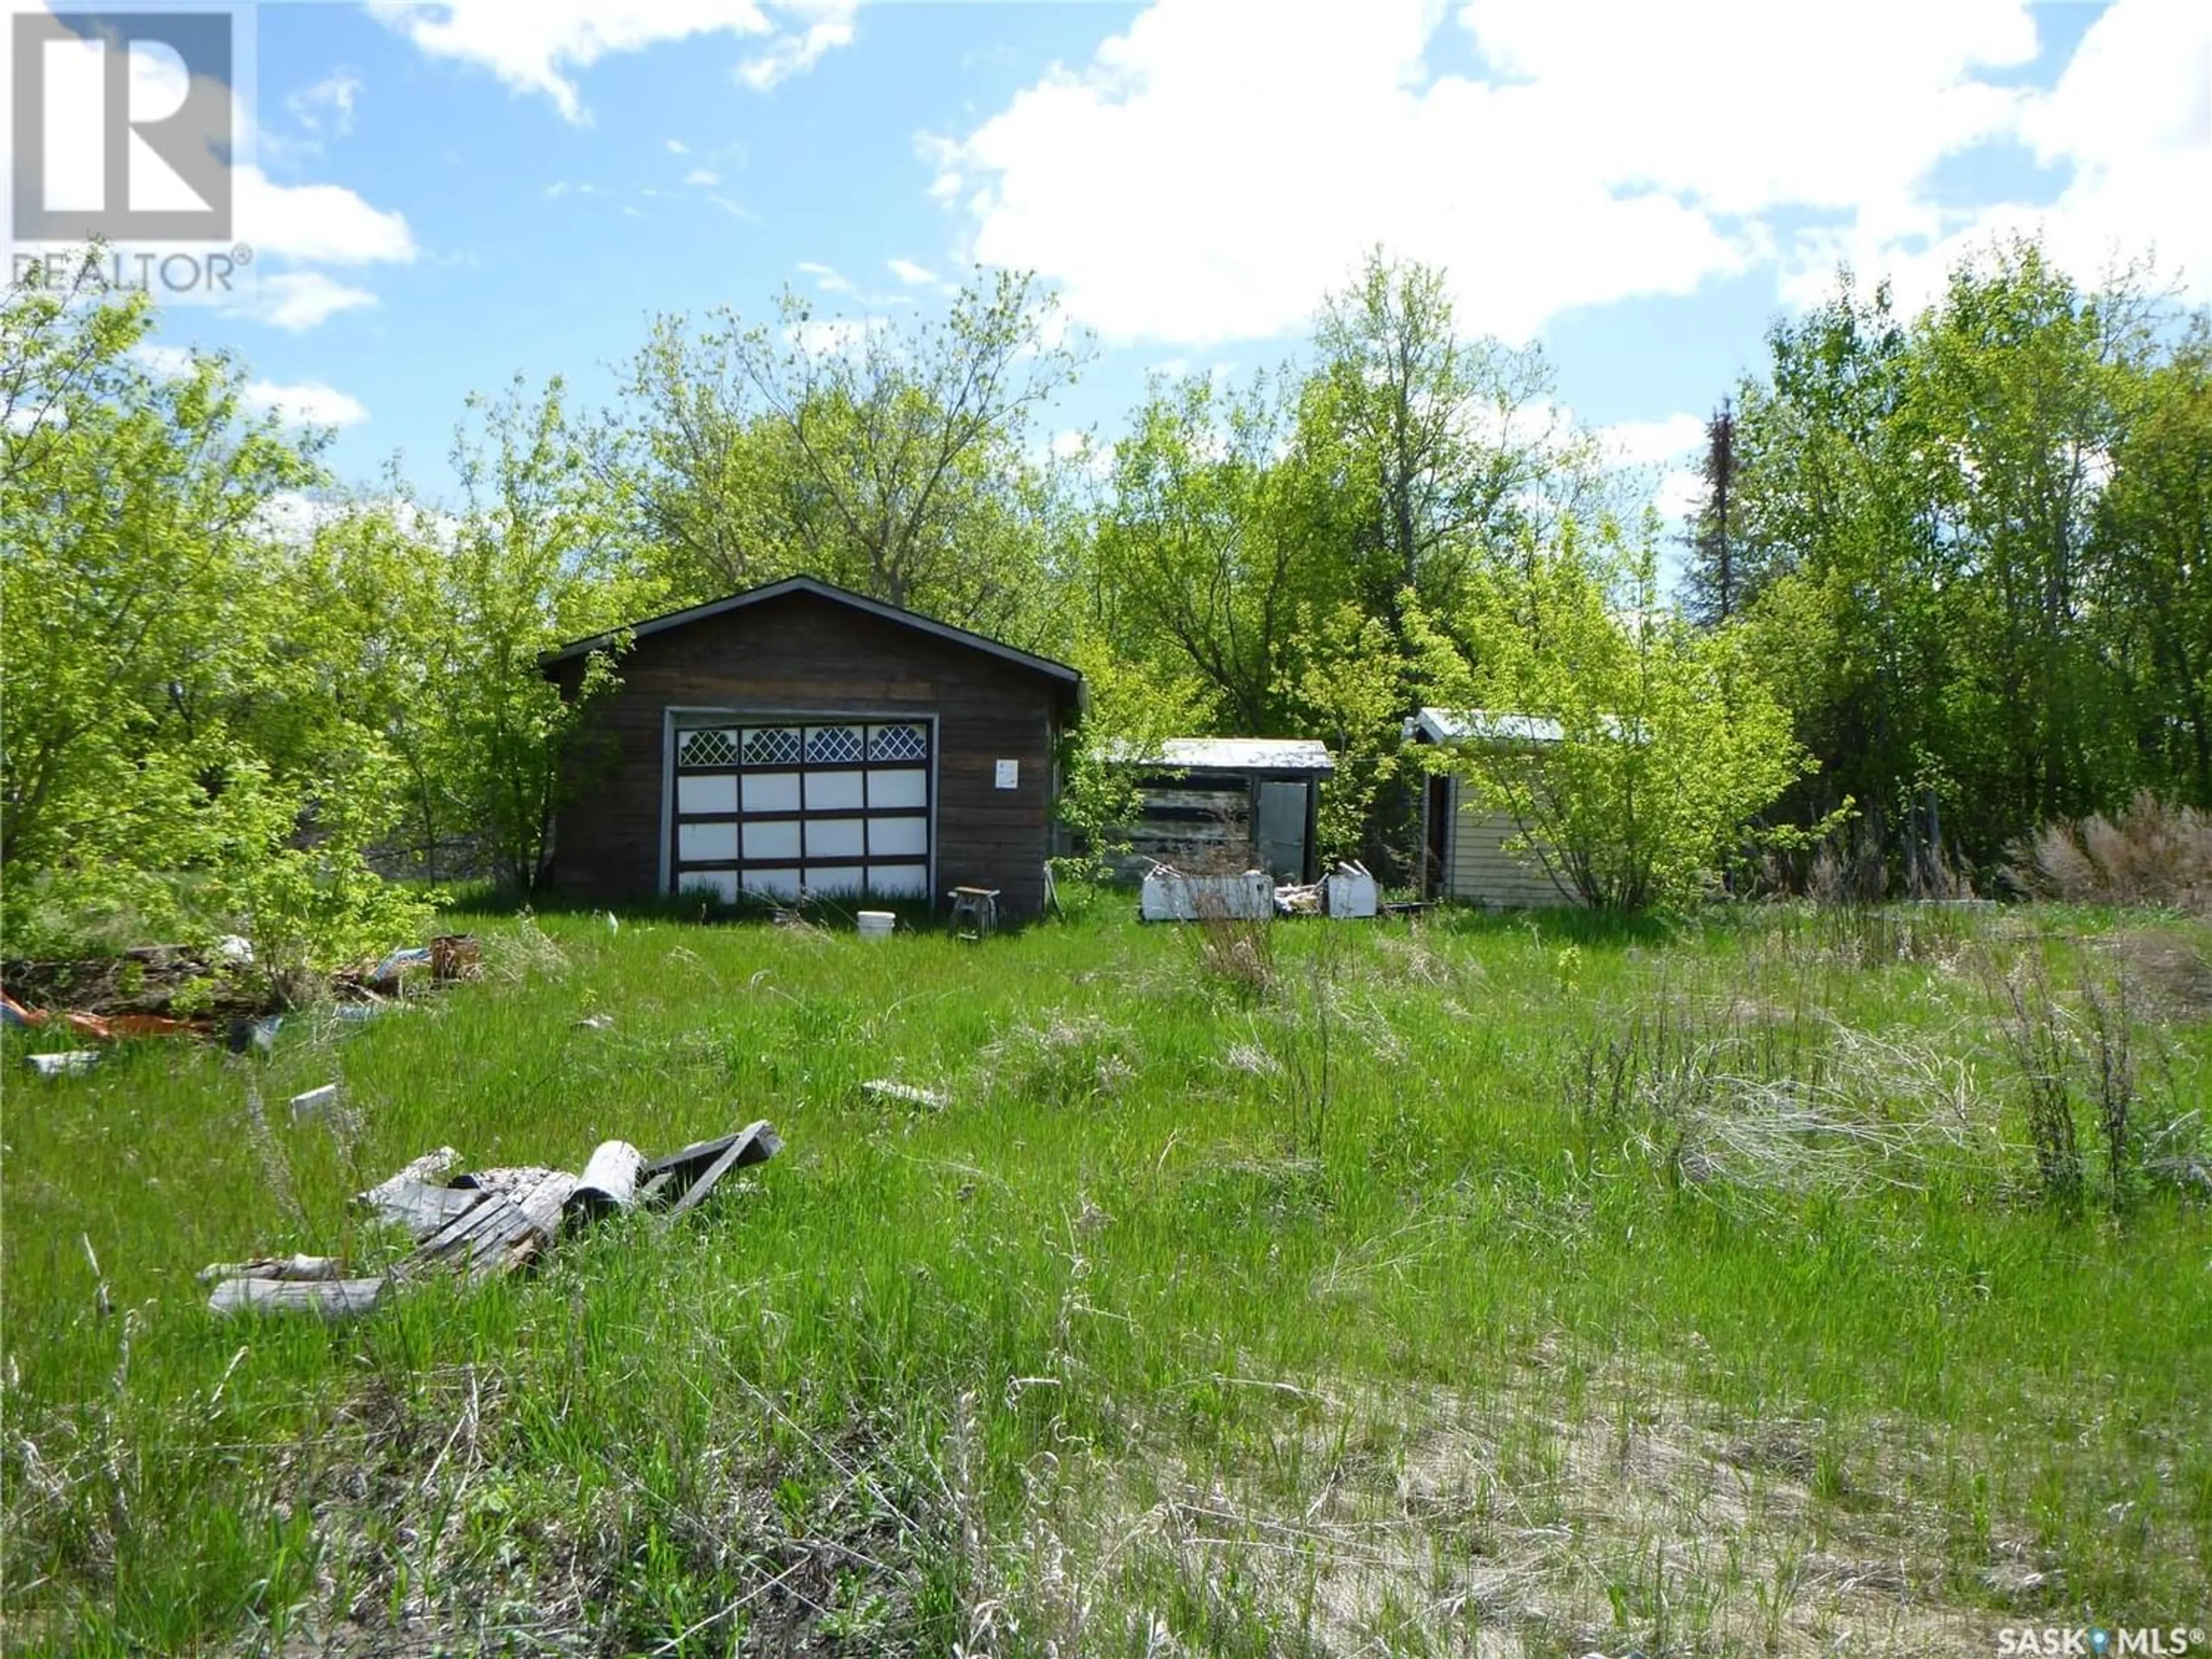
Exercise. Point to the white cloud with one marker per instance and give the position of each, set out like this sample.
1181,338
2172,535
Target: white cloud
535,48
678,147
2130,115
326,108
543,47
295,515
912,275
1203,178
828,278
793,52
703,176
1659,459
321,224
300,300
308,403
1649,443
837,337
168,361
1681,493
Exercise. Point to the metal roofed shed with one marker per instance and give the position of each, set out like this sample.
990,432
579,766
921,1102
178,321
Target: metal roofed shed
1223,805
1464,855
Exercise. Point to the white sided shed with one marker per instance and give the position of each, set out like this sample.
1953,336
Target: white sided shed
1464,853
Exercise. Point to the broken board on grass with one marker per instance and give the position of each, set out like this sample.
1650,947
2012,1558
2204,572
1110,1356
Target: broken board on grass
491,1222
417,1199
504,1230
682,1180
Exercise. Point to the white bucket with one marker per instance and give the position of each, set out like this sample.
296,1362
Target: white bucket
878,924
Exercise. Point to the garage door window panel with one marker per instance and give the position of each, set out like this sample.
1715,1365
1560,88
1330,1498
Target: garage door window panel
771,807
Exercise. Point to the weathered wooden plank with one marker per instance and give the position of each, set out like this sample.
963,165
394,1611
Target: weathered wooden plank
416,1198
422,1209
494,1238
333,1298
1237,802
507,1179
429,1167
697,1191
764,1141
545,1203
692,1172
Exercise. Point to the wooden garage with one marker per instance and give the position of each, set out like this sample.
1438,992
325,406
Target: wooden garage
801,740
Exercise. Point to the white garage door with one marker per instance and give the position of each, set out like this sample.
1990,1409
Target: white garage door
781,808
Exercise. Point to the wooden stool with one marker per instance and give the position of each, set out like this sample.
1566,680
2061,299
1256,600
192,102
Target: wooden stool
975,911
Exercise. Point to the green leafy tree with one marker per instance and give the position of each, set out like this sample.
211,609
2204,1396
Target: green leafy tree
133,608
2153,595
172,753
1192,572
1634,751
1919,501
536,559
1437,454
891,459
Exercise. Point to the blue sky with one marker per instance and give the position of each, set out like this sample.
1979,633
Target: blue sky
449,194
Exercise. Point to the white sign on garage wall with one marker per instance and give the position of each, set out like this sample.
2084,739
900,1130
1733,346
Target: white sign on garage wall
1010,774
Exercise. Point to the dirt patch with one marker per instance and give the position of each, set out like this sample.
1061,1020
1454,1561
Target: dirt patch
1426,1519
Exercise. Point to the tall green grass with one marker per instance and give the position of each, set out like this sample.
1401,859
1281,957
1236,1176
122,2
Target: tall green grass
1549,1282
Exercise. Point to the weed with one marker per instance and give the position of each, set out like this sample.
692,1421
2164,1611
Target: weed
2153,852
2043,1048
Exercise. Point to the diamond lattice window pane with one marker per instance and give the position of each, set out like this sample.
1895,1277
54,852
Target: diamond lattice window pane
833,743
772,746
896,742
714,746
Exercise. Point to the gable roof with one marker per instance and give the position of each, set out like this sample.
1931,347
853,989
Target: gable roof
1481,726
1233,755
1488,725
822,590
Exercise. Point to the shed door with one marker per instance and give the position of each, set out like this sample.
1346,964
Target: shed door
1281,836
789,807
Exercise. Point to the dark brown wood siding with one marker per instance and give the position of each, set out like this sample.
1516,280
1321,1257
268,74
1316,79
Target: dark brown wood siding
802,654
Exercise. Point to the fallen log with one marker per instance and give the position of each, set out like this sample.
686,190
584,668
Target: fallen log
609,1181
333,1298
